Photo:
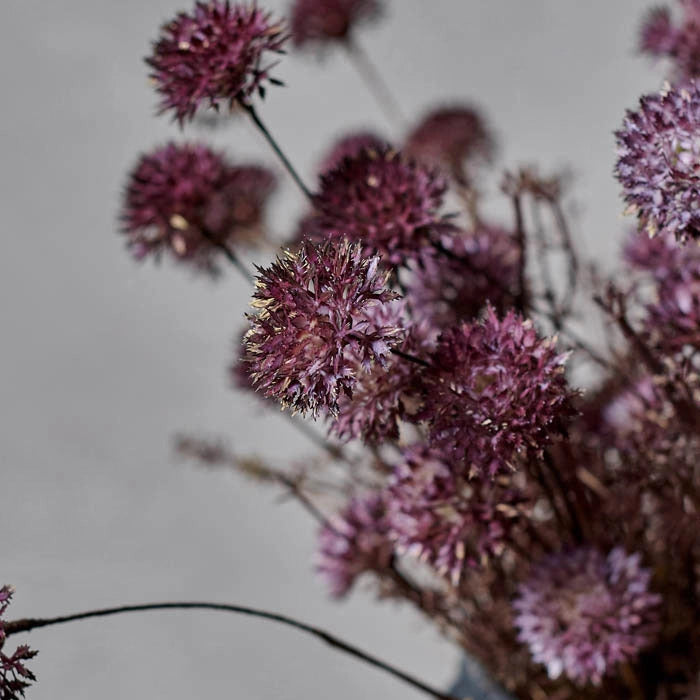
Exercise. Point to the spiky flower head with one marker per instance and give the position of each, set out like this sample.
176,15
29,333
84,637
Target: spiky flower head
322,22
354,542
481,266
350,146
495,388
448,137
184,199
442,518
15,677
313,325
582,612
659,161
218,53
388,204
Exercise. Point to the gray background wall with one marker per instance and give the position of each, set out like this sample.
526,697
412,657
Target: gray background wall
103,360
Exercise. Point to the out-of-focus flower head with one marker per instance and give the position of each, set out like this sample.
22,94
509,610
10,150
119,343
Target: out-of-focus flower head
323,22
449,137
314,325
15,677
442,518
218,53
659,161
581,612
350,146
480,266
495,388
354,542
185,199
388,204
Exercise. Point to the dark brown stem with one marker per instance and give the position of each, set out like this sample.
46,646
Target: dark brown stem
410,358
571,508
29,624
572,257
232,257
523,296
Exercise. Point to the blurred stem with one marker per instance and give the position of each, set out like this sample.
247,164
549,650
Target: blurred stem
25,625
523,299
232,257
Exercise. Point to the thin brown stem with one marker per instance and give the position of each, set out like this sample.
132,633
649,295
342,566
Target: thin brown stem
230,255
410,358
521,238
26,625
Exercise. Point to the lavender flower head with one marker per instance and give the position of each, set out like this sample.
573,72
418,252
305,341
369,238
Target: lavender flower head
659,161
185,199
15,677
581,613
217,53
350,146
323,22
313,325
388,204
449,136
354,542
495,388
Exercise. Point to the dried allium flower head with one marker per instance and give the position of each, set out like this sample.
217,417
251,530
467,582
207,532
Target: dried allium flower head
323,22
388,204
482,266
350,146
215,54
15,677
448,137
659,159
314,325
354,542
186,199
442,518
495,388
581,612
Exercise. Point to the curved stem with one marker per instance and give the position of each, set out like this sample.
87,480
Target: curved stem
26,625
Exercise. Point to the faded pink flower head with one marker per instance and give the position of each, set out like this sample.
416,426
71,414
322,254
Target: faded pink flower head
218,53
15,677
313,325
450,136
350,146
495,388
659,161
185,198
322,22
581,613
354,542
388,204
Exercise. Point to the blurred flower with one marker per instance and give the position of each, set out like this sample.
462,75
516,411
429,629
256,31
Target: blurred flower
581,612
448,137
326,21
350,146
442,518
659,160
355,541
15,677
313,325
382,201
215,54
186,198
494,389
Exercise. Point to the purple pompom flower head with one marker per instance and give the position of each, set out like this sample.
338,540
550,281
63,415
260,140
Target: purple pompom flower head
495,388
388,204
354,542
15,677
326,21
314,326
215,54
185,199
581,613
659,162
350,146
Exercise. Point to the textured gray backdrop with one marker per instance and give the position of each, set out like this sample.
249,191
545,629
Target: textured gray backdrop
103,360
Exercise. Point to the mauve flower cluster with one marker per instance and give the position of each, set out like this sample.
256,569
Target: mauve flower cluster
659,161
15,677
313,325
350,146
389,204
326,21
582,612
494,389
186,199
217,53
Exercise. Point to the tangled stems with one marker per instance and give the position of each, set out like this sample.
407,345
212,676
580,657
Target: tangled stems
28,624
